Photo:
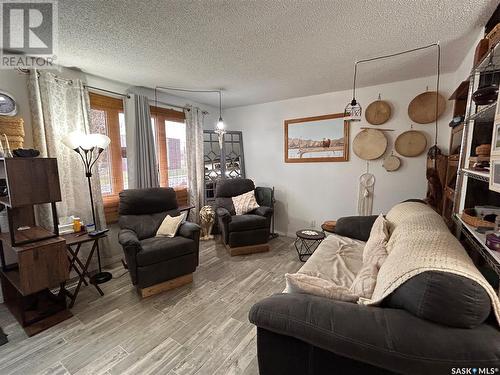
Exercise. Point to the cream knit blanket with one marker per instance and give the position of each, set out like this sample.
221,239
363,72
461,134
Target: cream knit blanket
420,241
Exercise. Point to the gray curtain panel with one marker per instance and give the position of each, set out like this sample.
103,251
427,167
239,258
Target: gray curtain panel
142,163
195,159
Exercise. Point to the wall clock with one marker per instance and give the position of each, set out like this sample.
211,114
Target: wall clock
8,106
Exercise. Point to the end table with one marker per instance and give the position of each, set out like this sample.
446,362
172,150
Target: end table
74,242
307,241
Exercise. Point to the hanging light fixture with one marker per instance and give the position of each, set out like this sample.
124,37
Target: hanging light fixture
220,128
353,110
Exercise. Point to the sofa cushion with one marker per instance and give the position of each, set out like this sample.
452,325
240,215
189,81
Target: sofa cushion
241,223
443,298
159,249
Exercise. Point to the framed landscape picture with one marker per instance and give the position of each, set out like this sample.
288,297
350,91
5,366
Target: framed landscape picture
317,139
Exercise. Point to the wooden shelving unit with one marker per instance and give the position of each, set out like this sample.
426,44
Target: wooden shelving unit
472,186
41,262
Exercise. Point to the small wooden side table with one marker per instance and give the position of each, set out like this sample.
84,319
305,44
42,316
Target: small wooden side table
74,242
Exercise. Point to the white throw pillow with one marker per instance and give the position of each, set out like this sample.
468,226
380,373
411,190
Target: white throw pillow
245,203
375,249
169,226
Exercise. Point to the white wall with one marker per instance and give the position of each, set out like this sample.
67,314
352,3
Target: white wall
310,193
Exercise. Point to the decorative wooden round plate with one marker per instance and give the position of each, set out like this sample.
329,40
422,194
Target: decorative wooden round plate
411,143
391,163
369,144
378,112
422,109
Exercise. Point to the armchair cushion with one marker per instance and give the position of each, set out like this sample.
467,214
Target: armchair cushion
159,249
241,223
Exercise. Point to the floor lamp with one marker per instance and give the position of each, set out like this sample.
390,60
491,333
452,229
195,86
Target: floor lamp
90,147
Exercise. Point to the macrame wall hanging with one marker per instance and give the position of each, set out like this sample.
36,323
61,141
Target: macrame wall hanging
365,194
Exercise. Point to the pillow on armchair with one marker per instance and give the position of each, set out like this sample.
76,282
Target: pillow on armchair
245,203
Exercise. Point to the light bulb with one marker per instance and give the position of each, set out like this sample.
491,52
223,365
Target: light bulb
220,124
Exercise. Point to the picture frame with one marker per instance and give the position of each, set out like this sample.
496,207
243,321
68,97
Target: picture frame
495,174
317,139
495,138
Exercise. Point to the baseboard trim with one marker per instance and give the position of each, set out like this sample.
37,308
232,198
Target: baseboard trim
166,285
245,250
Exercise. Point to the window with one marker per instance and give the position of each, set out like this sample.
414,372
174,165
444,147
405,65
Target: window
107,117
169,129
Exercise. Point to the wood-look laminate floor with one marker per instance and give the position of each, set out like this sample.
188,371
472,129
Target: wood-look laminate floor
200,328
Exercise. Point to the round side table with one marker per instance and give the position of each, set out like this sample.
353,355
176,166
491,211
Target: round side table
307,241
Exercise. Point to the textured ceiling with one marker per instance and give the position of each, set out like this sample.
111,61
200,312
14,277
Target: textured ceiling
260,51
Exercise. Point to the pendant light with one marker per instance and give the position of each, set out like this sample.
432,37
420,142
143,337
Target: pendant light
353,110
220,128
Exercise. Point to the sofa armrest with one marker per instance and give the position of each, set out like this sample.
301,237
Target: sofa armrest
357,227
223,214
376,335
263,211
190,230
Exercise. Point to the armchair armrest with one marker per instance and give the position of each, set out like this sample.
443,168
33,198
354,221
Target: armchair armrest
129,240
263,211
223,214
190,230
357,227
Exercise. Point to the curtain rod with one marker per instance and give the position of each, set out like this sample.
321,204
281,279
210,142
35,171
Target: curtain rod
108,91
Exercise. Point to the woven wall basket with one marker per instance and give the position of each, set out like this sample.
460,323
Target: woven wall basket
13,127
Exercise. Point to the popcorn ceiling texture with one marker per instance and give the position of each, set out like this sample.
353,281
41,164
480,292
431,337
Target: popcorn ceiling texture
261,51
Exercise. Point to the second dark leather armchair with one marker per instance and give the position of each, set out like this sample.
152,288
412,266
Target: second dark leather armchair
248,233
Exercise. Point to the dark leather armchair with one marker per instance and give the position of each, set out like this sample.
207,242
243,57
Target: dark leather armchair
159,262
248,233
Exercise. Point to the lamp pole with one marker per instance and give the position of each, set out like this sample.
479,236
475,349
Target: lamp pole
90,148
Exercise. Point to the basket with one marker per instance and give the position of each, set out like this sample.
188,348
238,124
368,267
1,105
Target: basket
484,149
469,217
12,126
494,35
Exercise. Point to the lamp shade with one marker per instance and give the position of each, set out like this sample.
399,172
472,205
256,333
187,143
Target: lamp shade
72,140
100,141
352,111
76,139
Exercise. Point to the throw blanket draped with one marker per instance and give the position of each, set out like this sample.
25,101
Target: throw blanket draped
420,241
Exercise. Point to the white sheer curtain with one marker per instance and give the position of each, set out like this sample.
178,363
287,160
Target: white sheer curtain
195,159
58,107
